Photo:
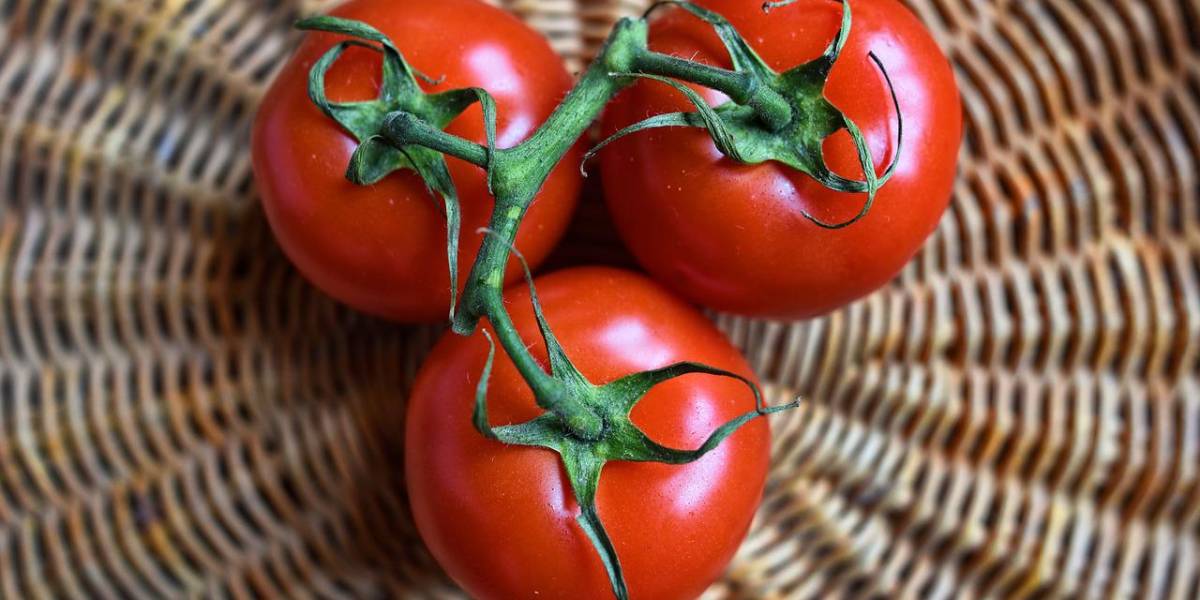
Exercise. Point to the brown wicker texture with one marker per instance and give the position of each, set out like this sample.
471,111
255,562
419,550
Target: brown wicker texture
1018,414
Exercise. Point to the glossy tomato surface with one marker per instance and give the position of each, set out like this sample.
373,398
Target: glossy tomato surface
501,519
733,236
382,248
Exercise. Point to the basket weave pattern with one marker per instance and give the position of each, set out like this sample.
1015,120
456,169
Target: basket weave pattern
180,413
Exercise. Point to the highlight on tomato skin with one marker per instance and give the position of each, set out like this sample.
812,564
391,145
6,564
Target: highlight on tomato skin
734,237
501,519
382,248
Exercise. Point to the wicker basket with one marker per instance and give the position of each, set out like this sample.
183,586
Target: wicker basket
180,413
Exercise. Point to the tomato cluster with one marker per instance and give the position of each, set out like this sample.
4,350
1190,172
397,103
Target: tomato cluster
735,237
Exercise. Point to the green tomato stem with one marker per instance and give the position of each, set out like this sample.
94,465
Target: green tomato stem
549,393
524,168
519,172
657,63
402,129
771,108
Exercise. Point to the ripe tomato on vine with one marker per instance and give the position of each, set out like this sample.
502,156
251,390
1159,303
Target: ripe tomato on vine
382,248
737,237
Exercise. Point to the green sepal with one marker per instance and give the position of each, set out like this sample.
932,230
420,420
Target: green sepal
810,156
359,118
398,76
621,440
822,65
708,118
452,103
737,130
631,444
375,159
628,443
580,461
583,467
431,166
545,431
479,416
677,119
743,57
561,367
624,393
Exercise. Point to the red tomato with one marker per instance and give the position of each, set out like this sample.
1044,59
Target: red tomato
733,236
501,519
382,248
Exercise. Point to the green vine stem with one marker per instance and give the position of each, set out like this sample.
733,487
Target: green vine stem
771,116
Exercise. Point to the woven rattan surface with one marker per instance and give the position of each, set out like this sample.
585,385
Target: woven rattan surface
1019,413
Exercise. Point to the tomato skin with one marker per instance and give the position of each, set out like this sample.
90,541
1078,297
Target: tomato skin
501,519
732,236
382,248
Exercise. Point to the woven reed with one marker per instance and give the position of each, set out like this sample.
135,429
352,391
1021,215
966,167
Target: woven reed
1018,414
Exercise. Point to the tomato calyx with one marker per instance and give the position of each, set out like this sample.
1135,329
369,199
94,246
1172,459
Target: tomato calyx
781,117
399,94
589,425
